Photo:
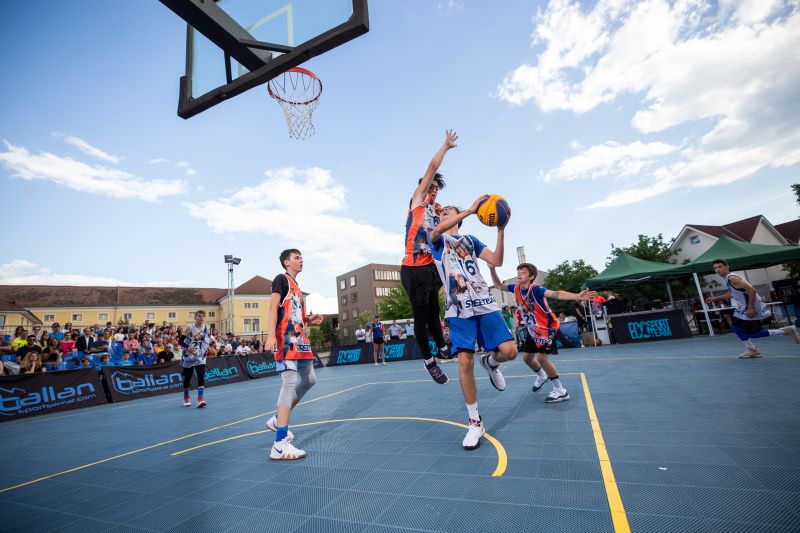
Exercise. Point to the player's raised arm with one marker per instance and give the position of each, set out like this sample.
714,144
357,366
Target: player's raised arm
495,258
498,284
584,295
421,192
449,222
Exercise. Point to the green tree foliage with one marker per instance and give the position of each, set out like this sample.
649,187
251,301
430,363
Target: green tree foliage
796,189
793,267
316,336
568,276
647,248
395,306
365,317
326,329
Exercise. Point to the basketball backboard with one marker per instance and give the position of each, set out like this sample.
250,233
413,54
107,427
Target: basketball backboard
235,45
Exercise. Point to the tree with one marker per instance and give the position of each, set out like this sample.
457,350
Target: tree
647,248
365,317
568,276
793,267
326,329
796,189
316,336
395,306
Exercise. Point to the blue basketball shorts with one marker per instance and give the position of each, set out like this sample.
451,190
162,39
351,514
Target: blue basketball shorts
489,331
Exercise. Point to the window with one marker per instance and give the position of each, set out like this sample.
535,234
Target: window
247,305
352,281
127,316
102,316
252,324
251,305
171,315
344,302
2,321
353,297
211,314
344,315
77,317
382,291
694,239
345,332
49,318
387,275
150,316
342,284
191,315
247,324
355,314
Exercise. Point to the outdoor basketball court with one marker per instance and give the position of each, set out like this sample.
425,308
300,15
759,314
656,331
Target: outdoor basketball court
697,440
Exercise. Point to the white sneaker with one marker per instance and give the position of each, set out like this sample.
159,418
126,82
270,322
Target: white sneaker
495,376
376,364
791,332
384,363
272,425
284,450
750,354
539,383
187,403
473,438
557,395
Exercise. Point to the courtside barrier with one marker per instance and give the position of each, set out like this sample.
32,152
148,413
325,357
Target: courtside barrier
35,394
124,383
398,350
223,370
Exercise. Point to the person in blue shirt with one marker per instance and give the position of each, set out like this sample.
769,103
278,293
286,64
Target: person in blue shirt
376,327
126,360
148,357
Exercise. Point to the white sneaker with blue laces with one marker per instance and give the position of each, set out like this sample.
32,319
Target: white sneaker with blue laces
272,425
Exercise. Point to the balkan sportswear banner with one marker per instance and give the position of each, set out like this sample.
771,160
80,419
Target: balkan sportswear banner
222,370
35,394
125,383
261,365
399,350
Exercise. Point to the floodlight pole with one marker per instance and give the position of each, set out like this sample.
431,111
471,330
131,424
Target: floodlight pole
703,301
230,261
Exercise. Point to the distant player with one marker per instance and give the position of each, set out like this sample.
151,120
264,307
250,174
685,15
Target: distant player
470,310
195,343
538,326
287,338
418,273
749,313
378,341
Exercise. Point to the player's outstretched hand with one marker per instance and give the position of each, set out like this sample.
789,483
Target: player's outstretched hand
315,320
450,138
474,207
271,343
586,294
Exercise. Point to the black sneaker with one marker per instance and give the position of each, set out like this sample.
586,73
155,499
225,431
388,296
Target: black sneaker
437,373
445,353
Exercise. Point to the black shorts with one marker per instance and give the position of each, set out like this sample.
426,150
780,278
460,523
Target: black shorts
529,344
421,283
377,341
748,326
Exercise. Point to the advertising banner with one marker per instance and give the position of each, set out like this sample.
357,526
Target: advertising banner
125,383
222,370
570,337
35,394
258,365
650,326
397,350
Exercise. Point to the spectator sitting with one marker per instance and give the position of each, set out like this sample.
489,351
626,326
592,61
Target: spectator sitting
159,346
86,362
32,363
126,360
56,331
104,361
68,344
131,344
29,347
37,332
100,346
167,355
44,340
564,318
84,342
212,350
20,338
57,363
148,357
242,349
228,349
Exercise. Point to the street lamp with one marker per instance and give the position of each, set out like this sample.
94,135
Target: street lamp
230,261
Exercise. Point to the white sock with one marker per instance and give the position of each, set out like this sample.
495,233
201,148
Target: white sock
492,361
773,332
749,345
429,361
556,383
542,374
472,410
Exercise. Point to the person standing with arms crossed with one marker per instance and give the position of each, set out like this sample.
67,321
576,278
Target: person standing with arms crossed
418,273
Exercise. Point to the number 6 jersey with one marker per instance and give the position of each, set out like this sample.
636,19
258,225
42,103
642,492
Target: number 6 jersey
465,291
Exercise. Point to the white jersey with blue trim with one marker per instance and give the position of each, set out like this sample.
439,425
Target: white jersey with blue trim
465,291
741,300
197,356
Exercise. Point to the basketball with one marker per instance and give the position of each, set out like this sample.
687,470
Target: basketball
494,211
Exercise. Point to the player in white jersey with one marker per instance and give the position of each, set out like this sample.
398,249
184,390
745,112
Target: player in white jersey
749,313
471,311
195,344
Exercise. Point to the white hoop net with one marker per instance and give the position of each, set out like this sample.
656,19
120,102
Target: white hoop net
297,91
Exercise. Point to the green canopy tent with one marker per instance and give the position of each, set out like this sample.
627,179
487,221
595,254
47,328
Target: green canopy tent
626,270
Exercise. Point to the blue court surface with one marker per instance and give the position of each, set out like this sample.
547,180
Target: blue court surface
685,437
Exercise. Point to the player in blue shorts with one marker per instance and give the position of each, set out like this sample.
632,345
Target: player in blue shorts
471,312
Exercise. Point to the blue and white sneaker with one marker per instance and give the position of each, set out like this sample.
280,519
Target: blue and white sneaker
284,450
557,395
272,425
495,376
539,383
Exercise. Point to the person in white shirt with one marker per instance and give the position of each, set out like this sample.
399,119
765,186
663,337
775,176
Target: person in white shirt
395,331
242,349
361,335
410,329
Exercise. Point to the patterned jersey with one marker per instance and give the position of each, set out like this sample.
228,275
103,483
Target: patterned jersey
420,221
465,291
197,349
741,299
377,330
292,341
533,310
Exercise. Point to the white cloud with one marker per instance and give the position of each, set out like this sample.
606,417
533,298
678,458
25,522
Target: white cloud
319,304
450,5
84,177
157,161
90,150
736,67
23,272
303,208
608,159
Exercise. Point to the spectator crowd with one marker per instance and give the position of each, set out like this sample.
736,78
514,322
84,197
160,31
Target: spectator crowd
56,348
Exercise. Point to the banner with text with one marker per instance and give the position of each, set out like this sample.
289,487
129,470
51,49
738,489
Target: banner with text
35,394
650,326
125,383
398,350
222,370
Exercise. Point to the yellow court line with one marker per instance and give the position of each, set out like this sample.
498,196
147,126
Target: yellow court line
502,457
618,516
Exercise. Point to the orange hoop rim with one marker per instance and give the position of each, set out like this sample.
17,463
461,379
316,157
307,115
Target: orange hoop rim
299,70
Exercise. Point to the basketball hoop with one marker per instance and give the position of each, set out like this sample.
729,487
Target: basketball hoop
297,91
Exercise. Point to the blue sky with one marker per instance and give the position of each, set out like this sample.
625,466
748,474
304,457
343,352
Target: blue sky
597,121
